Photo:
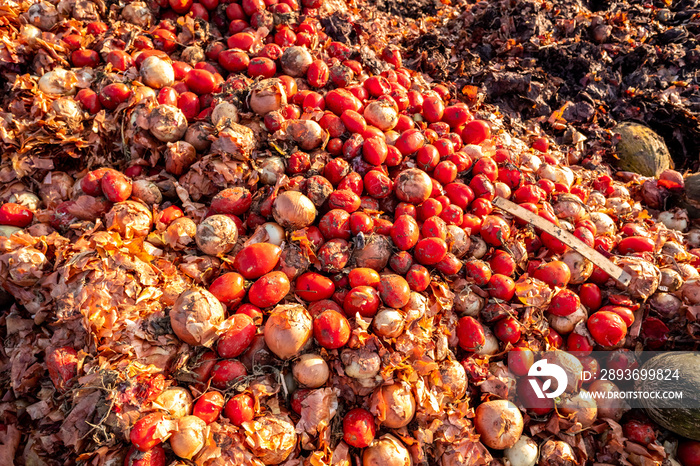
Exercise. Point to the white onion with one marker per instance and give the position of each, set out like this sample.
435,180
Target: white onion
530,161
8,230
296,61
502,190
142,93
473,151
195,316
176,401
562,175
216,235
603,223
58,81
271,168
490,345
275,233
27,199
306,133
292,209
467,302
523,453
361,364
693,238
388,323
224,113
156,72
30,33
458,241
397,403
566,324
675,220
581,405
580,267
311,370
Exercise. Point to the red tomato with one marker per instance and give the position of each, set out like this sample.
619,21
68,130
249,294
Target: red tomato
470,334
418,278
507,330
115,186
331,329
359,428
269,289
639,431
240,408
146,432
394,291
607,328
476,132
16,215
209,406
229,288
363,299
590,296
478,271
564,303
430,251
312,286
237,338
255,260
153,457
501,287
555,273
689,453
520,360
494,230
225,372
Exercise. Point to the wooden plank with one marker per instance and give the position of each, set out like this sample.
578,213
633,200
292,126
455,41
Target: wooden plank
565,237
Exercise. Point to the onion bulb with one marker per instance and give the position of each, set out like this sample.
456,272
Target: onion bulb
557,453
223,114
395,404
296,61
138,13
167,123
189,438
387,450
271,438
581,405
58,81
195,317
388,323
156,72
311,370
499,423
216,235
307,133
413,186
287,330
675,220
176,401
292,209
267,96
523,453
271,168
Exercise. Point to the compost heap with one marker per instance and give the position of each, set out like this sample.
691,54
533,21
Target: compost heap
263,233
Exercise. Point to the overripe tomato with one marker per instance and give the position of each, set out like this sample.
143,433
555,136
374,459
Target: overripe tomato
269,289
359,428
237,338
312,287
208,407
607,328
229,288
470,334
240,408
331,329
255,260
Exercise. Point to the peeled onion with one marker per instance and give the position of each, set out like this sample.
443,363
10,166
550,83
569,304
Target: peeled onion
388,323
311,370
195,317
156,72
58,81
458,241
189,438
361,364
292,209
287,330
387,450
499,423
271,168
523,453
176,401
603,223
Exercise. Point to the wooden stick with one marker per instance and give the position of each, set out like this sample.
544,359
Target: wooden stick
565,237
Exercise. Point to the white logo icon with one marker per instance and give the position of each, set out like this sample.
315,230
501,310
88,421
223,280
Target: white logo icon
544,369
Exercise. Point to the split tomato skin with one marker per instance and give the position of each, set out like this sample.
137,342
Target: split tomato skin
153,457
15,215
239,409
144,434
62,364
238,337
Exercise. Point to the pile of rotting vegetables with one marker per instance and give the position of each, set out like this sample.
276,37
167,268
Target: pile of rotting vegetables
266,232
